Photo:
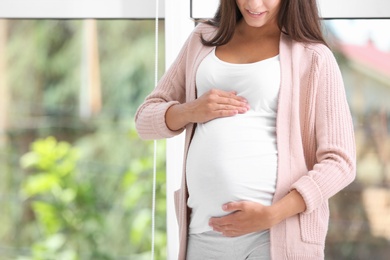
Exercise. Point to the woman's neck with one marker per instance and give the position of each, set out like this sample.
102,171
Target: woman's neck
249,33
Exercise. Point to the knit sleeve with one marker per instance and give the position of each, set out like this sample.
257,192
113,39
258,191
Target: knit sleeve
335,154
150,116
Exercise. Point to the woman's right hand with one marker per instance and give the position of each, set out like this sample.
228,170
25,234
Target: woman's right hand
211,105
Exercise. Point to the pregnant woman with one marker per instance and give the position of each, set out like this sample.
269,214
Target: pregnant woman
269,136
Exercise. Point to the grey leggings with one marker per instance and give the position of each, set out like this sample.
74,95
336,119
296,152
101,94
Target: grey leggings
212,245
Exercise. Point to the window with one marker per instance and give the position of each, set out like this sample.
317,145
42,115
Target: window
75,178
359,214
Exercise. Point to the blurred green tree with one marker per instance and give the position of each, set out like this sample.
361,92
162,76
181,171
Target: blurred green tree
76,220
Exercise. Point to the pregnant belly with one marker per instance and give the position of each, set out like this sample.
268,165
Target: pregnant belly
231,159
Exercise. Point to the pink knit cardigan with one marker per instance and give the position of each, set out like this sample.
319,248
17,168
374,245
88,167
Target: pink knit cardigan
315,139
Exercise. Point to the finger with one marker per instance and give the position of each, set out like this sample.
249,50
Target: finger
224,113
230,230
222,229
217,223
232,233
233,206
228,94
225,221
233,100
238,108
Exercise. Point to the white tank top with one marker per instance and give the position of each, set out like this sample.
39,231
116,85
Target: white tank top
234,158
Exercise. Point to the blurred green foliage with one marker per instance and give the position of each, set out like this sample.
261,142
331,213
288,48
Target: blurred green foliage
74,218
73,188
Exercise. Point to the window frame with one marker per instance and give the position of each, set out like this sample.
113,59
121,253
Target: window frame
145,9
79,9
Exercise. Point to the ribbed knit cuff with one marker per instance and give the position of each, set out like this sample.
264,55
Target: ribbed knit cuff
310,192
159,123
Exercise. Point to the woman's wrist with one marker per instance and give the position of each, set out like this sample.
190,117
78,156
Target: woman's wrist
176,118
274,215
292,204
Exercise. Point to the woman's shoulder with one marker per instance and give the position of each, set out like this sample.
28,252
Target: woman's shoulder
205,30
302,47
319,50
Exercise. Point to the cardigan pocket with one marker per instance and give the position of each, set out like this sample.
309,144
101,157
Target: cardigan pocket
176,197
314,225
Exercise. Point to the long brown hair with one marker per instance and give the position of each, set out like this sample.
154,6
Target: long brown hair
297,18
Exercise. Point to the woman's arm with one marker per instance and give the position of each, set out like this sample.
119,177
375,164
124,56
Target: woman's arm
335,154
164,113
247,217
213,104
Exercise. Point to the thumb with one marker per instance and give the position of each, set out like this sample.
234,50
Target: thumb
233,206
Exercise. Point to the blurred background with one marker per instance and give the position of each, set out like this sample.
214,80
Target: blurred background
75,179
360,215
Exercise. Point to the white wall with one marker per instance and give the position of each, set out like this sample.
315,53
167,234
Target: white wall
178,25
137,9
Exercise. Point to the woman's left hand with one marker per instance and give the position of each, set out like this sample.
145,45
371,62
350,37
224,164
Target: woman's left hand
246,217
